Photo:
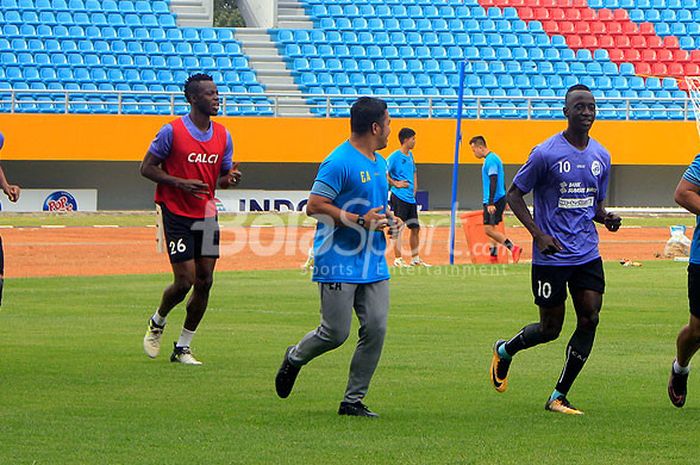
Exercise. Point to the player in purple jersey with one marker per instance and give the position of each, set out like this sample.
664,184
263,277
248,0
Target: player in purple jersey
12,192
568,175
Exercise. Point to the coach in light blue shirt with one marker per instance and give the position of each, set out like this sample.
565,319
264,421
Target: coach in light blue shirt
348,198
688,196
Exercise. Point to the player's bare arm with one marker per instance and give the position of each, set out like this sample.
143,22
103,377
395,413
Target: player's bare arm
610,220
230,178
395,183
545,243
320,207
151,169
686,196
415,183
11,191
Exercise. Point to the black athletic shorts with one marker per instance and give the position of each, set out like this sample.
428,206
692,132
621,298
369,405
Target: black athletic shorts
549,282
190,238
694,289
408,212
497,217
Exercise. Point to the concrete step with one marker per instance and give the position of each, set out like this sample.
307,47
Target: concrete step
291,11
295,24
179,3
274,73
267,66
187,10
288,4
280,87
258,44
193,22
271,58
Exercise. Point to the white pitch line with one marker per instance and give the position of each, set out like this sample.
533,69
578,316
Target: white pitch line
53,226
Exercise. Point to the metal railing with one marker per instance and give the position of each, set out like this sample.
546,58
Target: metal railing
330,105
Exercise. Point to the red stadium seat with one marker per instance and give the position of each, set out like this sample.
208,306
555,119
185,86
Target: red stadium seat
681,55
638,42
548,3
648,55
605,14
572,14
647,29
695,56
606,42
675,69
566,27
597,28
632,55
665,56
616,55
655,42
671,42
574,42
579,3
621,15
589,42
555,14
628,27
643,68
541,14
622,42
691,69
526,13
588,14
551,27
659,69
516,3
613,28
582,27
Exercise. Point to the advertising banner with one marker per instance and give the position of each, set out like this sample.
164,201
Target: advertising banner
52,200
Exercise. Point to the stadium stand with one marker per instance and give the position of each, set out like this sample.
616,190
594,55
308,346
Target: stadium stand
410,49
91,47
513,48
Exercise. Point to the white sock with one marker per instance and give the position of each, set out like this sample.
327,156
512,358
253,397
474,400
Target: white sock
416,259
157,319
679,370
185,338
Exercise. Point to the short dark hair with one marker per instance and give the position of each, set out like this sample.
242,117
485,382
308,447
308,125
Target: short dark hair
574,88
192,83
364,112
478,140
406,133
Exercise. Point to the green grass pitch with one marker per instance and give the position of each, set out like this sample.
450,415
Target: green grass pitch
76,388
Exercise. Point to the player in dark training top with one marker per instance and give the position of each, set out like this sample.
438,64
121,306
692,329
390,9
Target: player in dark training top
189,158
568,175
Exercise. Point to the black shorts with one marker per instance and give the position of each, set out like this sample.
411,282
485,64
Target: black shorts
408,212
549,282
694,289
190,238
497,217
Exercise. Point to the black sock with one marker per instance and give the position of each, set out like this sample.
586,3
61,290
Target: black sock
577,353
529,336
508,244
494,251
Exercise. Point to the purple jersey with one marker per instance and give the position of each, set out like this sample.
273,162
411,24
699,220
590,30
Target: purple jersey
567,183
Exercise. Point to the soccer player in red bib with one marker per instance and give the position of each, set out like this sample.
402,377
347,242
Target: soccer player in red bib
12,193
189,158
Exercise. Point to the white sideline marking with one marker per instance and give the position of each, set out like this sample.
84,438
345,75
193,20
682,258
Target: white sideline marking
53,226
105,226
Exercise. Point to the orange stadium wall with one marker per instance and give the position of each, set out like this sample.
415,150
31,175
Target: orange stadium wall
103,151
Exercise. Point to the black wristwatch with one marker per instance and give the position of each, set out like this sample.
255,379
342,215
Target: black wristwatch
361,220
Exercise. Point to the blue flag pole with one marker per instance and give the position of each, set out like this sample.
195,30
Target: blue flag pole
455,168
